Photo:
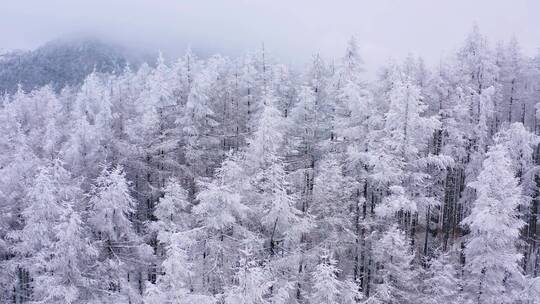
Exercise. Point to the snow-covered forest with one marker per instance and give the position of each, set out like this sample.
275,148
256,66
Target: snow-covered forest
245,181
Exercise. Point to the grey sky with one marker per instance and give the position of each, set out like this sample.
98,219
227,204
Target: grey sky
291,29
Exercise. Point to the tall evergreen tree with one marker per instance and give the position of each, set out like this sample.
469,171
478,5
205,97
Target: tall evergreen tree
492,259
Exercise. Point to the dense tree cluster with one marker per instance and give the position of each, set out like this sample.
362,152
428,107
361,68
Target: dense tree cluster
241,181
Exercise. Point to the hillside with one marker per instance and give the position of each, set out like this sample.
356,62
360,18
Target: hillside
60,62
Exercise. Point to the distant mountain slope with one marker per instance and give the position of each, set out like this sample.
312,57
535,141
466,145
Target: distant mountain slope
60,63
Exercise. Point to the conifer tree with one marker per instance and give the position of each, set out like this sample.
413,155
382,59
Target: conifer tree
492,259
56,253
396,280
122,254
175,279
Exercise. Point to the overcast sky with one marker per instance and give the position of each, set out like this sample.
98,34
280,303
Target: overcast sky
291,29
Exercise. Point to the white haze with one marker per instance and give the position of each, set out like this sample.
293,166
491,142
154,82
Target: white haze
290,29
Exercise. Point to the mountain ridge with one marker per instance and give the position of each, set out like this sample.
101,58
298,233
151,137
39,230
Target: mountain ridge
62,62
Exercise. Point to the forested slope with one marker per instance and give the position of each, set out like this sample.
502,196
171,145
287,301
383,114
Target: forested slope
241,181
62,62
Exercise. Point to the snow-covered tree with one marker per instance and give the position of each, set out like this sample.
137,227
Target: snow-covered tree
121,252
401,157
350,97
326,286
492,260
174,283
397,280
441,282
198,122
221,205
328,289
91,121
520,144
171,211
268,138
56,252
70,279
332,192
251,282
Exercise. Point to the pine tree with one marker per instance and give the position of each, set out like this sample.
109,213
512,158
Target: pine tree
511,68
492,259
332,192
54,120
280,218
198,122
268,138
55,250
326,286
175,279
171,210
19,167
402,157
221,206
121,251
442,284
251,282
91,121
71,265
350,97
226,219
396,280
305,128
520,144
173,285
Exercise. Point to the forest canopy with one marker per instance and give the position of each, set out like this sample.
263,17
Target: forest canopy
243,180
